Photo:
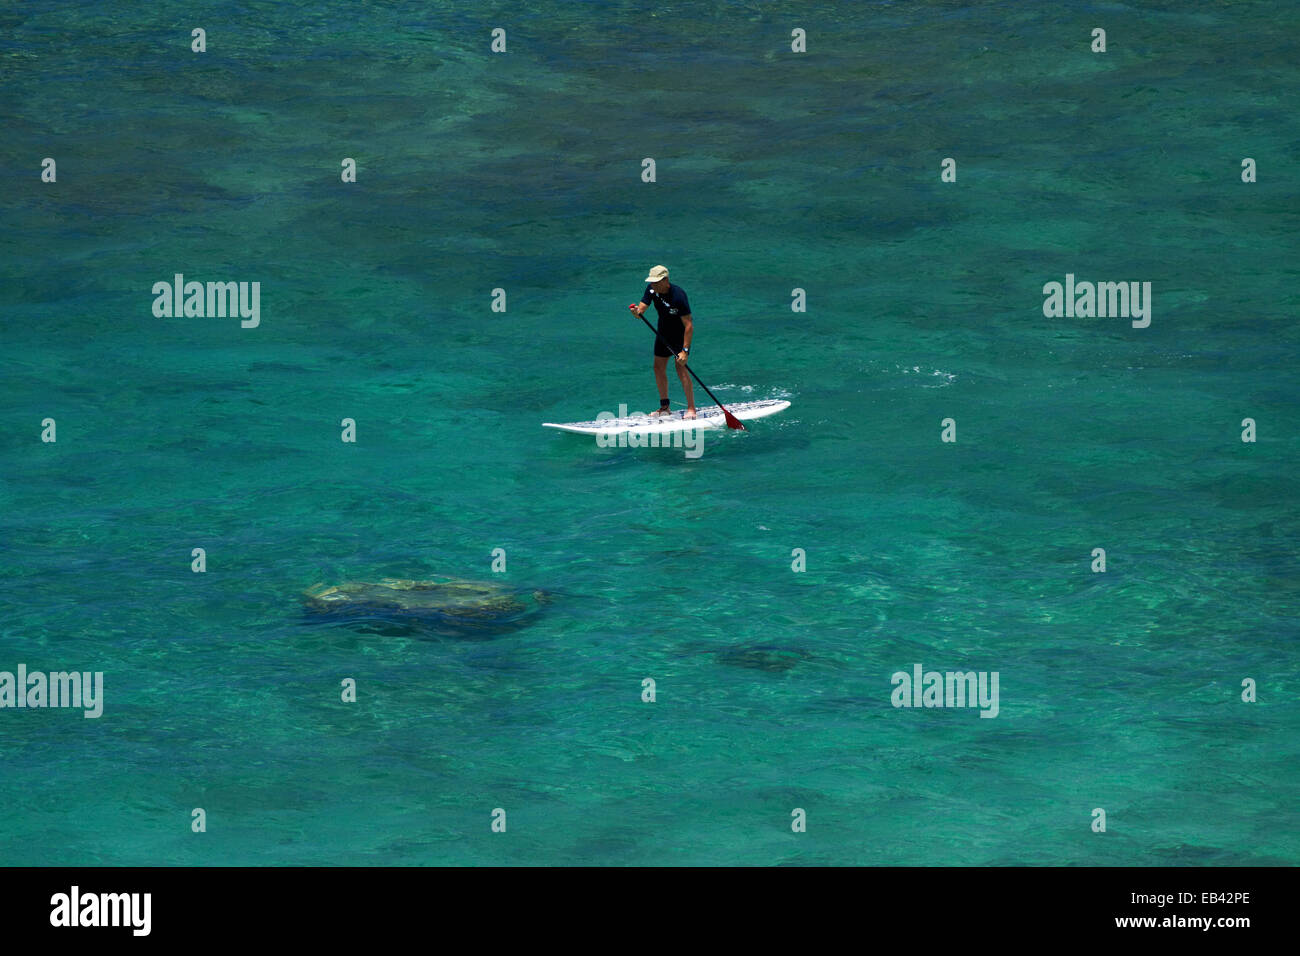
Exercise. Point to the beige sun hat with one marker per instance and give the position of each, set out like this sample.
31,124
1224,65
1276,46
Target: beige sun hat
657,273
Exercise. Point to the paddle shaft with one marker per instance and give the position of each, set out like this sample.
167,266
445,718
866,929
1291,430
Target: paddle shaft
730,417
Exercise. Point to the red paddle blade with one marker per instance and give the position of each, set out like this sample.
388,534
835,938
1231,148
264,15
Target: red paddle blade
733,421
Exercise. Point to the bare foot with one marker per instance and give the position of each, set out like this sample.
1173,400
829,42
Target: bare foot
690,413
660,412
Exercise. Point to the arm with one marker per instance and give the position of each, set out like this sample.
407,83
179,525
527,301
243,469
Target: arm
644,303
688,330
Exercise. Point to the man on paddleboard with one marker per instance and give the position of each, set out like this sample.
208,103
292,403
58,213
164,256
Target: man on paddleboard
675,328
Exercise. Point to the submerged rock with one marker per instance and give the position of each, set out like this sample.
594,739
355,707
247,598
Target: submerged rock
763,657
400,605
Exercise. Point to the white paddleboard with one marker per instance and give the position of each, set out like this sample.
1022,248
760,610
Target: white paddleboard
705,417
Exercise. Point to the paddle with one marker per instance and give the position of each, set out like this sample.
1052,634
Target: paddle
732,420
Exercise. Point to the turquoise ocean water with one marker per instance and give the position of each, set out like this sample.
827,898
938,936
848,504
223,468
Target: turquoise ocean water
775,170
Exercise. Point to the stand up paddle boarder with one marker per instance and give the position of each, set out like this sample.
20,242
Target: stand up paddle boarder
675,328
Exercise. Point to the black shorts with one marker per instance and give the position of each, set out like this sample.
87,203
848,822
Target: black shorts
674,337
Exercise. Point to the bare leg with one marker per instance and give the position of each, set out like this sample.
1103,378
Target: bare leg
685,376
661,378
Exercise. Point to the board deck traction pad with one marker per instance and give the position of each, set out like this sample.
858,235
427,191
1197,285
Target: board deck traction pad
710,417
